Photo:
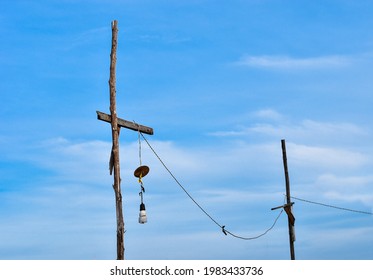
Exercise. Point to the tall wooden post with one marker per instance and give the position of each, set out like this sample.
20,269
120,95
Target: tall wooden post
288,205
115,150
116,124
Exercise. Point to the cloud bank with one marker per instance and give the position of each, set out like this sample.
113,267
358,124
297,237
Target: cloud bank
294,63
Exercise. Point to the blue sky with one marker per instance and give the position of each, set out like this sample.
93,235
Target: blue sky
221,83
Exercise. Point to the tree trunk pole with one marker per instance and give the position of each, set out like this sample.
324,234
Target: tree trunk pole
288,200
115,149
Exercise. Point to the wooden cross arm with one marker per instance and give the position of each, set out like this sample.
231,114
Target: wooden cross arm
123,123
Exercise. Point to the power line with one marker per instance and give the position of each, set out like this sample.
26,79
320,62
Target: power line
177,181
225,231
332,206
260,235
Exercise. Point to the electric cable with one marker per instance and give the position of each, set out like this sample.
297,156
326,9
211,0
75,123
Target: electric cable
139,140
225,231
260,235
332,206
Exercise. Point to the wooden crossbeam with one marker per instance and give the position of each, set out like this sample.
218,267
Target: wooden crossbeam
127,124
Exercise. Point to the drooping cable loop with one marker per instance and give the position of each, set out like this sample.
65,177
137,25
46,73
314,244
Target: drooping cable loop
223,229
258,236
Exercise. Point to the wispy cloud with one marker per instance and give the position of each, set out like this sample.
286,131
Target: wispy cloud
294,63
270,123
346,188
308,131
325,157
85,37
328,158
78,166
269,114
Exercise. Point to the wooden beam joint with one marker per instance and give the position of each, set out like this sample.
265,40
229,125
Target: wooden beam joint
127,124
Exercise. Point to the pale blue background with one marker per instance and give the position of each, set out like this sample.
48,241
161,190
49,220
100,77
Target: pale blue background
221,83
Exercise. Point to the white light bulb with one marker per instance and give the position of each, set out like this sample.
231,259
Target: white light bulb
142,216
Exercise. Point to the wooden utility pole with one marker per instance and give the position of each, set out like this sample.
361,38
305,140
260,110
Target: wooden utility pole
116,124
289,204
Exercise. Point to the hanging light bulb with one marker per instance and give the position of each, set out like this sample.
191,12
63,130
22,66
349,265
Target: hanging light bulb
142,216
140,172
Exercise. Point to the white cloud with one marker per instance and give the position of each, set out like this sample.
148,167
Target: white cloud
328,161
74,161
268,114
271,124
165,38
354,188
220,177
318,240
292,63
217,196
331,180
85,37
309,129
325,157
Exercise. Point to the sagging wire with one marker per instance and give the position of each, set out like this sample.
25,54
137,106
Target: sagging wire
222,227
260,235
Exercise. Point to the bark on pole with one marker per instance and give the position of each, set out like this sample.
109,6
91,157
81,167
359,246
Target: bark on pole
115,149
288,202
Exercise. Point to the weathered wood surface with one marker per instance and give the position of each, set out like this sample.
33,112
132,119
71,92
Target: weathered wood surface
115,148
289,204
116,124
127,124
